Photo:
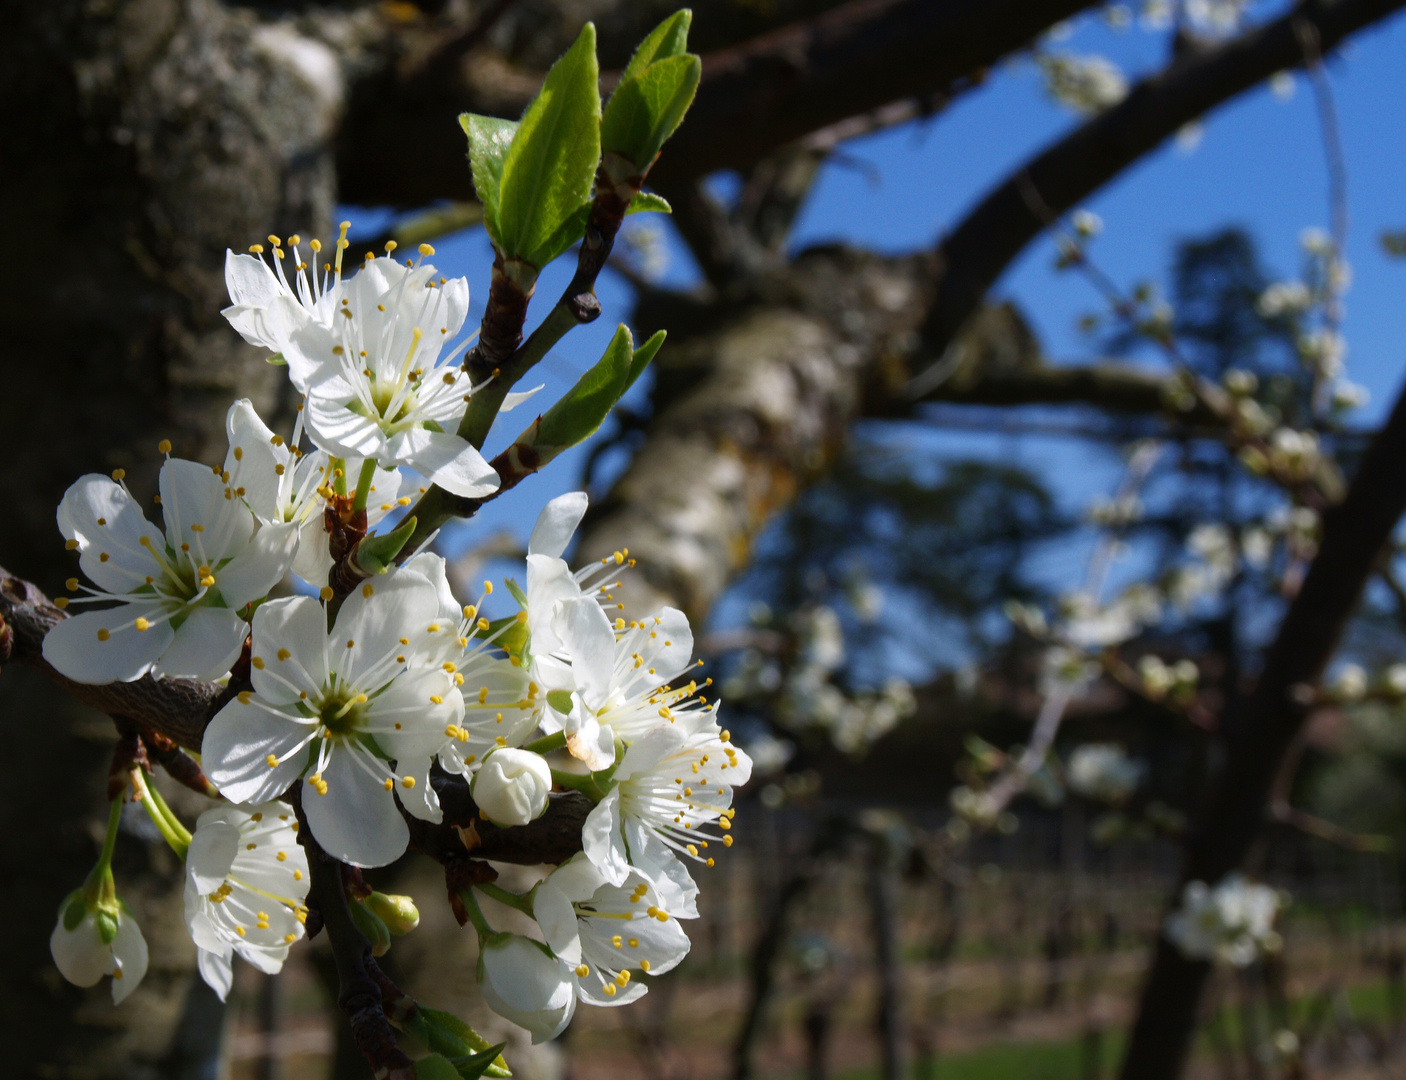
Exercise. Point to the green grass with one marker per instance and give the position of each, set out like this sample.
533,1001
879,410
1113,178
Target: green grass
1064,1060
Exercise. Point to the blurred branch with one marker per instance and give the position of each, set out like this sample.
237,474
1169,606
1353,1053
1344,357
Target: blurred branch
756,96
983,245
1261,736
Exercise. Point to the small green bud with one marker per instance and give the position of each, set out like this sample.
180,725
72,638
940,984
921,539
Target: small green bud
399,913
372,928
560,700
74,908
107,926
376,554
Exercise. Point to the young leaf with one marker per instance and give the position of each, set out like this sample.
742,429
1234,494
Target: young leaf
549,166
577,415
484,1063
643,355
648,202
435,1067
489,139
669,38
452,1037
647,108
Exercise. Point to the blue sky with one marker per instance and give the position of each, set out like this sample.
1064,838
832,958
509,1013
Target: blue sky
1259,165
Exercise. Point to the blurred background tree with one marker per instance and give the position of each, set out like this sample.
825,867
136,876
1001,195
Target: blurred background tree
782,474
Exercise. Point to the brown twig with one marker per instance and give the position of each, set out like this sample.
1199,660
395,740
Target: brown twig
360,994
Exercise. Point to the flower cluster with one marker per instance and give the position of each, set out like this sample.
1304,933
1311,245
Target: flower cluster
1232,921
347,707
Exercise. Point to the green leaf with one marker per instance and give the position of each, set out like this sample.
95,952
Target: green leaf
645,109
375,554
484,1063
435,1067
647,202
549,166
669,38
643,355
489,139
452,1037
577,415
277,360
515,591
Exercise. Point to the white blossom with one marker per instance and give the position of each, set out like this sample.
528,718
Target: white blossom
669,786
246,880
1284,298
606,933
340,707
1103,771
1087,84
511,786
83,957
280,483
1234,921
178,593
523,982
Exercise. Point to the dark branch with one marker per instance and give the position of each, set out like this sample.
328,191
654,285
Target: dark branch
753,98
1354,534
980,249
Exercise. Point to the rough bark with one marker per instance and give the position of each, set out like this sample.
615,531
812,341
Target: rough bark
141,139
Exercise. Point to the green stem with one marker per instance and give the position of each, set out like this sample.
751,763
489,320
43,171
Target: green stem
483,409
167,824
585,783
510,899
363,483
475,913
114,817
338,468
547,743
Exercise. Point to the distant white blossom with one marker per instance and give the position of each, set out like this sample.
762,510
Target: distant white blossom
1232,921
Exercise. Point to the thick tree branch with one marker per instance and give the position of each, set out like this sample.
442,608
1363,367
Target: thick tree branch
1354,534
180,709
984,244
753,98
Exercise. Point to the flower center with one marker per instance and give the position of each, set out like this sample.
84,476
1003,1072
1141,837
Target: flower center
342,713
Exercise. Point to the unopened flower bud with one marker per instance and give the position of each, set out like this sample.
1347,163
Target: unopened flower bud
377,935
512,786
399,913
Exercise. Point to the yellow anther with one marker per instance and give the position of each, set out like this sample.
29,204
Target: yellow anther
103,634
103,557
119,474
71,584
61,602
390,784
582,971
407,782
488,588
436,699
282,856
275,241
617,941
391,245
404,500
258,662
69,545
426,250
644,965
272,761
727,841
288,939
164,447
634,943
142,625
325,592
483,624
256,249
622,979
609,989
367,590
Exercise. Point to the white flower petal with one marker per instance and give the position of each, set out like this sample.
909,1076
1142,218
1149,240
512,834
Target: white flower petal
211,854
297,626
94,498
205,646
129,950
555,915
446,460
356,821
556,524
236,748
514,398
196,512
259,566
74,649
586,631
602,842
80,954
369,628
253,459
217,971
